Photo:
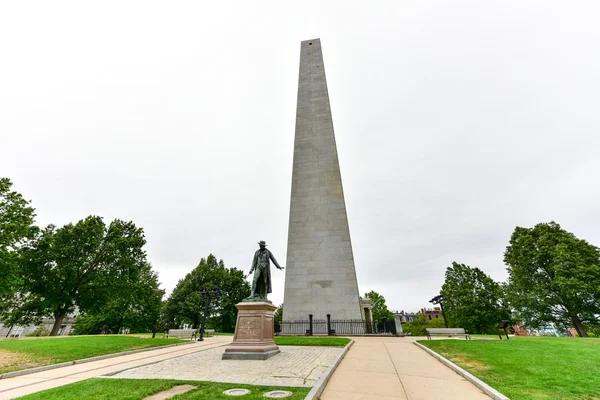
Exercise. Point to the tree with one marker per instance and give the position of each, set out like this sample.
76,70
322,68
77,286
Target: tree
418,325
77,267
278,315
553,277
234,288
134,305
185,306
16,229
380,310
473,300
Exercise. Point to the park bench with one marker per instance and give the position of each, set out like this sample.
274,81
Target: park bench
447,332
182,333
210,332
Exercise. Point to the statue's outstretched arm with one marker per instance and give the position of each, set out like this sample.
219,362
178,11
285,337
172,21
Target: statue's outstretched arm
272,257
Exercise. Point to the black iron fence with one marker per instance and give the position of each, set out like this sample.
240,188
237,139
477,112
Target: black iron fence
356,327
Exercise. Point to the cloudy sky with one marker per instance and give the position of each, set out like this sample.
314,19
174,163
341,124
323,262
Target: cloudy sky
455,122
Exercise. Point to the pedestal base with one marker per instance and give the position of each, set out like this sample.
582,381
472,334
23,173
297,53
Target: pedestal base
249,355
253,339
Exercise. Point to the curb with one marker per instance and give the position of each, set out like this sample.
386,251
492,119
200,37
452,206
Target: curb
316,391
83,361
487,389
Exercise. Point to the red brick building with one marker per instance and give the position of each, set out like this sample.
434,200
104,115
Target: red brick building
431,313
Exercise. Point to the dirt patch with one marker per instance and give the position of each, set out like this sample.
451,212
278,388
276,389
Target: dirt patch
174,391
14,361
470,364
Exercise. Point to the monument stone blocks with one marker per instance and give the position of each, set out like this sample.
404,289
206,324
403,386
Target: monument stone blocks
320,277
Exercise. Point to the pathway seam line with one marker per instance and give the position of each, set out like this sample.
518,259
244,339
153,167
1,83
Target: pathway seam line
487,389
319,387
397,374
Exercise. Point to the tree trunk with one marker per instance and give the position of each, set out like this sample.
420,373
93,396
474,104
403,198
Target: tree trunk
578,326
58,319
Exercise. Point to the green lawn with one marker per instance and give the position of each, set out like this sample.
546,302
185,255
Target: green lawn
16,354
528,368
310,341
136,389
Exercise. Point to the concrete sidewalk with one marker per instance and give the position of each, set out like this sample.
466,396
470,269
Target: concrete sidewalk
11,388
386,368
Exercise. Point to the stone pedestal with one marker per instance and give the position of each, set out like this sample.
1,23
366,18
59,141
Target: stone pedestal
398,322
253,339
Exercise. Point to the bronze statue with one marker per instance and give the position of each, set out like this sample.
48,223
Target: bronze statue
261,282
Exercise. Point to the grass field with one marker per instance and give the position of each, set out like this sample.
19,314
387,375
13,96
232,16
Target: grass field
17,354
310,341
530,368
136,389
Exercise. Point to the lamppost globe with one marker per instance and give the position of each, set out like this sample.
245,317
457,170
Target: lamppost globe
439,299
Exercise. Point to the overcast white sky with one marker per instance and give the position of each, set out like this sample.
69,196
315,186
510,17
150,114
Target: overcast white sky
455,122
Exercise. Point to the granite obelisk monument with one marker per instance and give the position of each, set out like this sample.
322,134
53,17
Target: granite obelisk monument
320,277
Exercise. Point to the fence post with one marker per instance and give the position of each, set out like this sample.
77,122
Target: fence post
328,324
310,324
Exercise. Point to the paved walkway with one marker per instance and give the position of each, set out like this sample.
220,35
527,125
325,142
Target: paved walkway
295,366
382,368
387,368
26,384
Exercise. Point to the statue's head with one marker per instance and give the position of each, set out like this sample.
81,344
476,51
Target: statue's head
262,244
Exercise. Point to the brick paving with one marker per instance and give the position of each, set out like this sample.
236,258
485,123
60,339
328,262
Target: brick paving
299,366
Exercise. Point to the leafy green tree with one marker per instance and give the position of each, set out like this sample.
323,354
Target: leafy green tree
380,310
134,304
185,306
553,277
77,267
473,300
16,229
234,288
418,325
278,315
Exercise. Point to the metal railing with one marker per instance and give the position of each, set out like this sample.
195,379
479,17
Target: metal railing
356,327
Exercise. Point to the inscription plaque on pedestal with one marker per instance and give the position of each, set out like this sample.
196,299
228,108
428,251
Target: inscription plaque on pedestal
249,328
253,339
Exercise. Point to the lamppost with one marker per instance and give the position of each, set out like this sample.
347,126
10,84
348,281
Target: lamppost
439,299
207,295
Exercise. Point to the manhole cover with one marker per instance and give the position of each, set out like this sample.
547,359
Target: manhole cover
278,394
236,392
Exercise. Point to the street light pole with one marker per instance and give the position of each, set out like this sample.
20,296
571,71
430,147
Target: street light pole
206,295
439,299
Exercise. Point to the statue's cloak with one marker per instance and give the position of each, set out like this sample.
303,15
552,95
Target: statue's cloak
268,269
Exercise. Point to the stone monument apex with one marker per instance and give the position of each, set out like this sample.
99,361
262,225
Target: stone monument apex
320,278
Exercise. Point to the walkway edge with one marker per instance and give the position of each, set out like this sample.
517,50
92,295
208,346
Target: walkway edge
487,389
83,361
316,391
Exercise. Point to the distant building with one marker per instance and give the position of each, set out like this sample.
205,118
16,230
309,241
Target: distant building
407,316
520,329
431,313
16,331
366,309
